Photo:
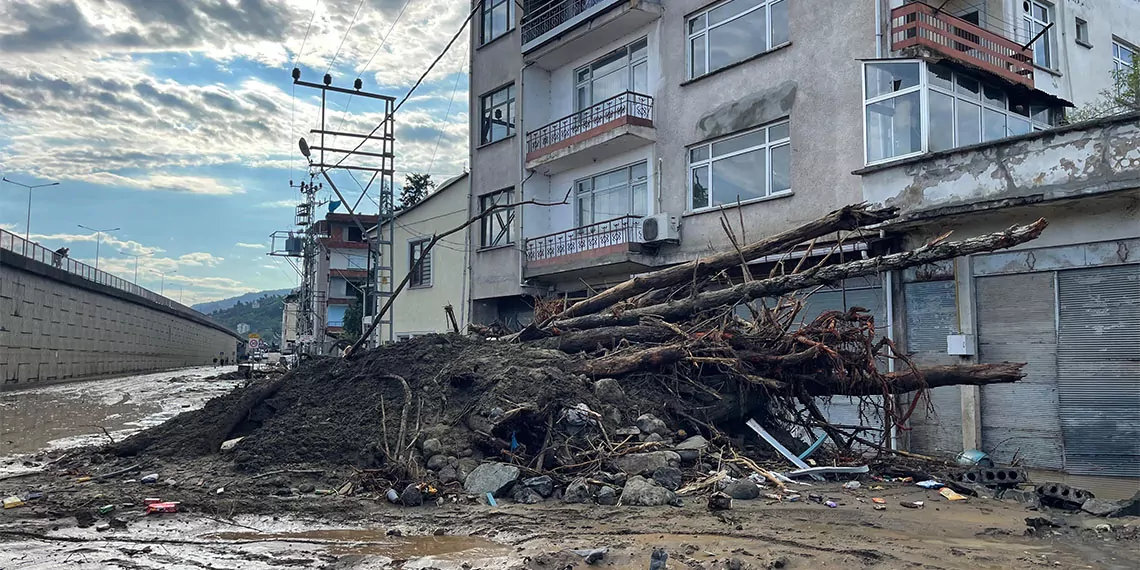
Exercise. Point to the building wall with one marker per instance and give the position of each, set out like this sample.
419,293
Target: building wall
1084,72
58,327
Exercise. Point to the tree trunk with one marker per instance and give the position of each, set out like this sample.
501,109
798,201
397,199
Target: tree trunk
930,377
626,362
608,337
680,310
846,218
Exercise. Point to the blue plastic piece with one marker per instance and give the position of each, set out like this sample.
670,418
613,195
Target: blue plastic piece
814,446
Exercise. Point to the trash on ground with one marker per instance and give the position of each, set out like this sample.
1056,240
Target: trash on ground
13,502
951,495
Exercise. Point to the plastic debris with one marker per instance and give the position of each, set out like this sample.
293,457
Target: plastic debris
852,485
33,496
83,479
151,500
106,509
393,496
815,498
780,448
880,507
13,502
815,472
149,479
831,504
913,504
878,500
230,443
168,507
930,484
951,495
491,500
972,457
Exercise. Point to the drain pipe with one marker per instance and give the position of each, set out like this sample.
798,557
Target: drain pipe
879,28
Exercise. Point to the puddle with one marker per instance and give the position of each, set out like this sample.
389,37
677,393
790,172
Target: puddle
30,421
377,542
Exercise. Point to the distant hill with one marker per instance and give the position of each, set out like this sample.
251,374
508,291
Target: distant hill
262,314
212,306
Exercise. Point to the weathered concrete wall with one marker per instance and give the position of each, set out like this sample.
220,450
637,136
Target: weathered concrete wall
1071,162
55,326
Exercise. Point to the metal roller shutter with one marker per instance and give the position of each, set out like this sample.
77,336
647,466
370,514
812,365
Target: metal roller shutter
1016,323
931,315
1098,360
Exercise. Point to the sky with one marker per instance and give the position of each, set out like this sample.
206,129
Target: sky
177,121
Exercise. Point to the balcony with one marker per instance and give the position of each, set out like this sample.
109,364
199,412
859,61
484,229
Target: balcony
918,24
551,27
612,246
618,124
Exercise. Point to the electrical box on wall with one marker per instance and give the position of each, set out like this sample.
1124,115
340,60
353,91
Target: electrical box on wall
960,345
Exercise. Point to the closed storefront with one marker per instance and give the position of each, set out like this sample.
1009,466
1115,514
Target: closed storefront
932,315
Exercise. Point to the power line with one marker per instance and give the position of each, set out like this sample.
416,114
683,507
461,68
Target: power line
447,115
297,56
332,62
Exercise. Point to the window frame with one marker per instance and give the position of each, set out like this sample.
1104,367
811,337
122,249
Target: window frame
703,14
486,129
488,7
1028,21
419,280
631,182
1118,45
1081,25
628,65
767,146
507,230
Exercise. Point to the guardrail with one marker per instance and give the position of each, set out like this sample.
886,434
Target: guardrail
553,14
626,229
922,24
32,250
627,104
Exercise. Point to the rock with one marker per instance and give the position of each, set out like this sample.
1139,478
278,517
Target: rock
690,449
307,488
1102,507
606,496
432,447
641,463
170,483
613,415
494,478
448,475
283,492
609,391
628,431
734,564
437,462
578,491
230,443
1043,522
592,556
649,423
668,477
466,466
526,495
673,458
778,562
1130,507
639,491
102,526
742,489
1028,497
466,452
412,497
542,485
279,482
653,438
719,502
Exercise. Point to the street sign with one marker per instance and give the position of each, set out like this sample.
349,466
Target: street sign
254,335
254,344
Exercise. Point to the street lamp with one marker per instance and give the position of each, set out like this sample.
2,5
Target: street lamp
28,223
136,256
98,239
162,284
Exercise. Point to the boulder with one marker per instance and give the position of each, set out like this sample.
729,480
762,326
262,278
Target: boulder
307,488
609,391
649,423
437,462
642,492
690,449
543,485
607,496
466,466
1103,508
448,475
668,477
720,502
642,463
411,497
653,438
578,491
526,495
494,478
432,447
742,489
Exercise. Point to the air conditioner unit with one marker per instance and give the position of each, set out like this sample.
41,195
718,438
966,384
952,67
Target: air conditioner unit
660,228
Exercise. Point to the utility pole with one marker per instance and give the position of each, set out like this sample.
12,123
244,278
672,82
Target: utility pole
28,222
98,240
162,284
136,256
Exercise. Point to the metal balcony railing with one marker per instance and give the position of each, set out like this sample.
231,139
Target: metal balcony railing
917,24
627,104
550,15
626,229
32,250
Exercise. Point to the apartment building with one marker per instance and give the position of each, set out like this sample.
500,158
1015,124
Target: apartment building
632,127
342,269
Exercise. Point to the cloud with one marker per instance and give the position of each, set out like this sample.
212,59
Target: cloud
114,244
251,245
280,204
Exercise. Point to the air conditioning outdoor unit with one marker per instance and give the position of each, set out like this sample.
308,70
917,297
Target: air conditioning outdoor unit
660,228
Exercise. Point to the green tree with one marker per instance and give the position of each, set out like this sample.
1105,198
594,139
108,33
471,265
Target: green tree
1122,97
352,320
416,188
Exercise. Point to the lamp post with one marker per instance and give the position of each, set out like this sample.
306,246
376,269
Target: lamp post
136,256
28,223
98,240
162,284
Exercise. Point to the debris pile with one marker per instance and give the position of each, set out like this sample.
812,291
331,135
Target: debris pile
641,394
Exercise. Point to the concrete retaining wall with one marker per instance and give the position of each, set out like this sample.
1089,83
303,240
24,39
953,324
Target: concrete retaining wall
56,326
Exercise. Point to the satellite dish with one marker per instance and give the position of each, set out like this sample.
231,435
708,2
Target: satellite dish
304,147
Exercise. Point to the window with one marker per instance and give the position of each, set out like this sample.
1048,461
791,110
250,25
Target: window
1123,56
498,18
626,69
733,31
1083,33
613,194
496,228
914,107
421,276
1036,17
742,167
354,234
350,289
498,111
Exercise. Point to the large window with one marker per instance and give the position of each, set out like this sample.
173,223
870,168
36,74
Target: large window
613,194
742,167
733,31
497,17
1036,17
1123,56
496,228
421,276
626,69
913,107
498,112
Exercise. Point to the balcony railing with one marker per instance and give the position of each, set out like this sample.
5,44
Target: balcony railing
917,24
37,252
618,231
552,14
624,105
